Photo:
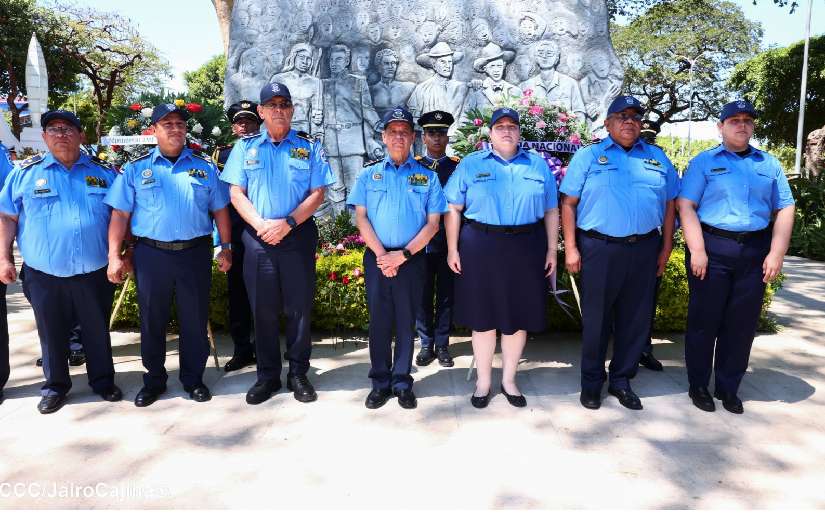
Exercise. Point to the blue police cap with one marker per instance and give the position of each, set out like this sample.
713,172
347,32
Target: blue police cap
275,89
161,110
623,102
398,114
59,114
500,113
736,107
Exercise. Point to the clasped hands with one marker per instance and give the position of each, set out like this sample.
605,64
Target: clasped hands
390,262
272,231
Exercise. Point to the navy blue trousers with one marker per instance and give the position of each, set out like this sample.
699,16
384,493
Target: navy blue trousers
617,287
392,302
649,341
723,311
435,313
5,369
59,303
240,313
75,342
281,279
188,275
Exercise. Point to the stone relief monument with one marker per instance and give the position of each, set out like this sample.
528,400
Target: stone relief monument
347,62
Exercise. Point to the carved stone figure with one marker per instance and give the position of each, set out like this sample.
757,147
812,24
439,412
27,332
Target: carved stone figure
598,87
441,91
531,28
491,63
388,93
303,86
556,87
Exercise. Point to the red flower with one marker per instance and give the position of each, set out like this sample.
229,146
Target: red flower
345,280
333,276
148,131
195,147
194,107
116,148
135,107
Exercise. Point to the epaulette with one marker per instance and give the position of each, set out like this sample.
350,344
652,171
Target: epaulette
202,156
100,162
33,160
455,158
253,135
418,158
305,136
140,157
373,162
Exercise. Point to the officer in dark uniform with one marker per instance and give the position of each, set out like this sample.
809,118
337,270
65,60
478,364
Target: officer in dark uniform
166,197
278,179
737,214
6,167
438,281
398,205
54,205
245,122
618,219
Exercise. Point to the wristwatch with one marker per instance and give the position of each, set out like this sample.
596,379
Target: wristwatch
226,245
407,254
291,221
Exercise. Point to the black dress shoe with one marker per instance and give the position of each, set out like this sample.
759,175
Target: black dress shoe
238,362
199,393
514,400
262,391
2,397
731,402
301,388
406,398
113,393
51,403
444,358
39,362
77,357
627,398
649,361
377,398
591,399
702,398
424,357
480,402
146,396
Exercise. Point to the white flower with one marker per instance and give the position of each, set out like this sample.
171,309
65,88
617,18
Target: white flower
114,131
146,112
216,131
198,129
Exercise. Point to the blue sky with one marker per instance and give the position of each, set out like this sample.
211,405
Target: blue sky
186,31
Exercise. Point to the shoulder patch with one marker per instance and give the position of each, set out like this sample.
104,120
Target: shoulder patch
250,136
140,157
456,159
305,136
373,162
32,161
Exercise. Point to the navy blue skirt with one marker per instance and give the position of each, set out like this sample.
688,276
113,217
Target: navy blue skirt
502,284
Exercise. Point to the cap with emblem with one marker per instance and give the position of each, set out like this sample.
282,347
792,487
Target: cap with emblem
736,107
500,113
243,109
275,89
162,110
650,127
623,102
59,114
435,120
398,114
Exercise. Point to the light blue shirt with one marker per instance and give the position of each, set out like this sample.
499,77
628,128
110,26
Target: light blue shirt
398,199
621,193
736,193
63,223
5,164
277,178
500,192
168,201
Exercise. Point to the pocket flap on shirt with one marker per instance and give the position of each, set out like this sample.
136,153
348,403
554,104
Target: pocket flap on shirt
376,186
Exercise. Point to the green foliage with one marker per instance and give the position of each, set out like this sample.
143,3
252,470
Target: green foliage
656,49
206,82
808,237
83,105
679,153
340,296
636,7
333,229
771,81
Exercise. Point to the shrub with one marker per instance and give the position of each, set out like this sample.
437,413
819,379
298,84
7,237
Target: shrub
808,237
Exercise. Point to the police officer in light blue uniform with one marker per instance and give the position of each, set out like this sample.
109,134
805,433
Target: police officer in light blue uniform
618,218
54,205
398,204
278,178
166,197
5,167
737,212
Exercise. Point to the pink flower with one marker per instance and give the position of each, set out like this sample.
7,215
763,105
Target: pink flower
525,101
563,117
477,122
563,130
339,247
575,139
528,92
356,272
536,110
541,124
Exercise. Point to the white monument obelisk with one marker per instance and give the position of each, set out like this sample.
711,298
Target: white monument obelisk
37,91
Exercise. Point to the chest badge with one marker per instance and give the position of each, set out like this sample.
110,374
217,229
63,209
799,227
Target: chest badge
40,182
252,153
377,176
146,173
98,182
603,160
653,162
419,180
299,153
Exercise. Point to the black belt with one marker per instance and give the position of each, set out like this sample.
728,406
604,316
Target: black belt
622,240
739,236
508,230
176,245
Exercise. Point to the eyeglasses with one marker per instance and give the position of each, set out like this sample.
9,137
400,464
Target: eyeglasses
747,122
60,130
282,106
636,117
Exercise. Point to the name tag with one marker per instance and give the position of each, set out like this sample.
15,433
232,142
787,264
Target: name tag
251,162
482,175
148,181
653,162
40,191
718,170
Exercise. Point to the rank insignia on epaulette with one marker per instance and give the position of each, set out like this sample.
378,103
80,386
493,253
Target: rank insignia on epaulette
455,158
482,175
419,180
195,172
299,153
377,176
603,160
653,162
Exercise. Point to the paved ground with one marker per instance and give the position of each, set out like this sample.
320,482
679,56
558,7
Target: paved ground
446,455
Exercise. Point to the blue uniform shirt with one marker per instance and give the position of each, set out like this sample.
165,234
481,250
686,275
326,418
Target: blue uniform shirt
503,193
398,199
168,201
5,164
277,178
620,192
736,193
63,223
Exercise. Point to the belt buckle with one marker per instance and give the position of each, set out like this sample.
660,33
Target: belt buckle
509,231
633,239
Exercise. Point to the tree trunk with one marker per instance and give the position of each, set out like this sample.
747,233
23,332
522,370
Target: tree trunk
223,8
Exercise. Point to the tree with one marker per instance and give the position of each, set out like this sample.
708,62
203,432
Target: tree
112,55
223,8
635,8
19,19
207,81
771,81
657,48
